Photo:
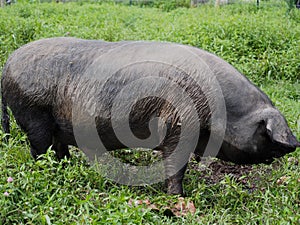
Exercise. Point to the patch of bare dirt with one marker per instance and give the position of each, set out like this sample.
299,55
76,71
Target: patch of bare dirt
213,171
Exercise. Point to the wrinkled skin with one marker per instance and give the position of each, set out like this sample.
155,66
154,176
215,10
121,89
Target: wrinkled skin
40,79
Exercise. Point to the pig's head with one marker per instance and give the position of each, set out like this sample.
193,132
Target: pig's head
258,137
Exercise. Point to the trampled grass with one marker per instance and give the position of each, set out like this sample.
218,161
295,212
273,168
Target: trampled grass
262,43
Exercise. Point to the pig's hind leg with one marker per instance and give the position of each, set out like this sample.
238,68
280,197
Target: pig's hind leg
38,125
39,131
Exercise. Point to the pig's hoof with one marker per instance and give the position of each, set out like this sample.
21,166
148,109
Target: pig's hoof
177,190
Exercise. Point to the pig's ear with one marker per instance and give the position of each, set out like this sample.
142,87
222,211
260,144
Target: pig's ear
279,133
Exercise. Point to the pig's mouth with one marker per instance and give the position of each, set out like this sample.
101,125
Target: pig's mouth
281,152
235,155
246,159
268,161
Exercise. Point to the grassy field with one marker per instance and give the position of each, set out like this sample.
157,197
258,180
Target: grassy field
262,43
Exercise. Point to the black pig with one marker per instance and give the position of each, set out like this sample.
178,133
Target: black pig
52,84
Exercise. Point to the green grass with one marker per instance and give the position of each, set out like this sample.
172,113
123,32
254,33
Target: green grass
264,44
